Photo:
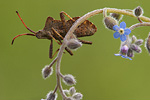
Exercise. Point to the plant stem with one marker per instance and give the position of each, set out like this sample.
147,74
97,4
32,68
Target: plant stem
55,89
125,12
139,25
105,12
51,64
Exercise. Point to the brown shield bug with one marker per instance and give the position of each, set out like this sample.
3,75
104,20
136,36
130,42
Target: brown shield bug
57,29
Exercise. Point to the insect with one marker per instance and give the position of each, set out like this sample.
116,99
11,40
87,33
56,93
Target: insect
57,29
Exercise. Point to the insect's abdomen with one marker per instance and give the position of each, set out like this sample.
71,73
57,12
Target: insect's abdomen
87,28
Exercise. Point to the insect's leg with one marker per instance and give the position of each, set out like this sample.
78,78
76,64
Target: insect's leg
51,55
63,19
57,33
54,38
62,16
51,49
85,42
55,53
69,51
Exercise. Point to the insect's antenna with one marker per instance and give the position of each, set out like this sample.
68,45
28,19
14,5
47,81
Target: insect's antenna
24,23
21,35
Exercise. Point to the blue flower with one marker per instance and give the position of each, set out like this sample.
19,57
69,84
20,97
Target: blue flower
123,56
121,31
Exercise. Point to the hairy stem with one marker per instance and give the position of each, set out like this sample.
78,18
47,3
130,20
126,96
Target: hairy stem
55,89
125,12
105,12
51,64
60,87
139,20
139,25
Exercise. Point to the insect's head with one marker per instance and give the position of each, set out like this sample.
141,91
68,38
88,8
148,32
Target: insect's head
42,34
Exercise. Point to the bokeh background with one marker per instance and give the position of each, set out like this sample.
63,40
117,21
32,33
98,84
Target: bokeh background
100,75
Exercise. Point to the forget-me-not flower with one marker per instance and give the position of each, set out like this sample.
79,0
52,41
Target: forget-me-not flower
123,56
121,31
123,52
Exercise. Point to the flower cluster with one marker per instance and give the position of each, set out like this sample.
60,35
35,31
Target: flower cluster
128,49
129,45
72,94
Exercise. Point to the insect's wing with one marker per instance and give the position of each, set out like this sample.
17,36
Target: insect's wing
87,28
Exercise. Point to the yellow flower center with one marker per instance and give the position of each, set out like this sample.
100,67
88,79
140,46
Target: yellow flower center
121,31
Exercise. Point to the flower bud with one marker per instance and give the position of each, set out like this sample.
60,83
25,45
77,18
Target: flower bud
69,98
73,44
130,53
77,96
69,80
67,92
135,48
51,96
134,38
124,49
46,71
118,17
138,11
72,90
147,43
139,42
110,22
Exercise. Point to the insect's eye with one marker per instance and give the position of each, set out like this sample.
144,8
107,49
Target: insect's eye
40,31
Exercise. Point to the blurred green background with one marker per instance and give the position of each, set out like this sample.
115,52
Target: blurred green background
100,75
